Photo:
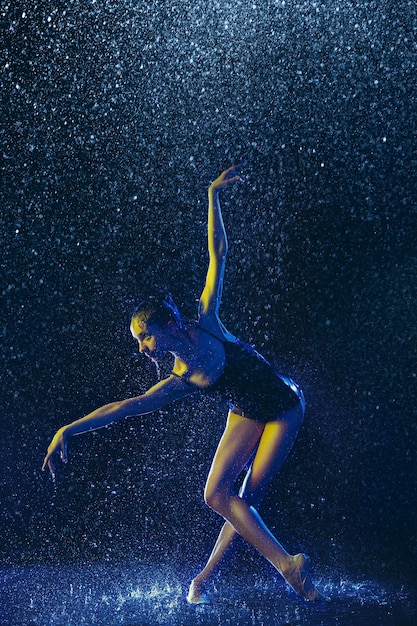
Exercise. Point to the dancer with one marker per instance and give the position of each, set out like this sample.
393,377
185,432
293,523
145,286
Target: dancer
265,409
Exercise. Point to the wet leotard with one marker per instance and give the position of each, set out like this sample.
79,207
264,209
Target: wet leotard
249,383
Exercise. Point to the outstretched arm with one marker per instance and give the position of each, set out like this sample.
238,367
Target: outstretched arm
155,398
217,244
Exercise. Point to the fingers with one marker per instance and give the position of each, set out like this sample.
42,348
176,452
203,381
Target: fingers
48,463
234,179
45,462
51,467
231,174
228,182
228,175
238,166
64,455
227,178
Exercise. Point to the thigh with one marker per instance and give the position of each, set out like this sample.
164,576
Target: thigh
274,446
238,441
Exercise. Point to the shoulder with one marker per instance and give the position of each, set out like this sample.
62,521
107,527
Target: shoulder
213,326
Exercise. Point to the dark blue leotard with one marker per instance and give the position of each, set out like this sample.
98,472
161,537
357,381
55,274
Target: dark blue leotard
250,385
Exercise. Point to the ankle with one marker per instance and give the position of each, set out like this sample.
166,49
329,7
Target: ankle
198,581
195,594
196,585
286,563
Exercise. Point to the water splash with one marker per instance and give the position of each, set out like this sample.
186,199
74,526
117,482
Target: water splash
153,594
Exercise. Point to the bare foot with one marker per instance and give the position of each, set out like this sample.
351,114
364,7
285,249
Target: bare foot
195,594
297,574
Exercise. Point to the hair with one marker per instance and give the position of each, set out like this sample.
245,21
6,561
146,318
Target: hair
159,309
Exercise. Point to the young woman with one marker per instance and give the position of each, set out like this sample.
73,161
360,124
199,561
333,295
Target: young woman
265,410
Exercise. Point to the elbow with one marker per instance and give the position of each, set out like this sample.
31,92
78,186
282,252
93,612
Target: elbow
131,407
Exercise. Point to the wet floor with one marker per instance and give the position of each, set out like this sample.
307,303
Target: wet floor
143,594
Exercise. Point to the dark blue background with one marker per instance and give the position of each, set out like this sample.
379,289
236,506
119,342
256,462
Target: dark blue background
117,117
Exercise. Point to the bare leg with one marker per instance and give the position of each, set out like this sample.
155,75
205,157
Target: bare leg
225,538
276,441
239,439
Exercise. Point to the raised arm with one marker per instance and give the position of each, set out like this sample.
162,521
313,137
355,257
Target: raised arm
155,398
217,244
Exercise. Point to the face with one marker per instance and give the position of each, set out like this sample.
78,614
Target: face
150,339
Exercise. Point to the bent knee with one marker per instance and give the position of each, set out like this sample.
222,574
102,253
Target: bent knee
215,499
211,498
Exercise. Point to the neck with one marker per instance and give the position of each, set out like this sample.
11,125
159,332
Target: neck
183,344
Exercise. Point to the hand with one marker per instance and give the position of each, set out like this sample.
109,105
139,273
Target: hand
226,178
58,444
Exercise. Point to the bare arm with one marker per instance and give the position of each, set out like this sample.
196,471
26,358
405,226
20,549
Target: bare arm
217,244
155,398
